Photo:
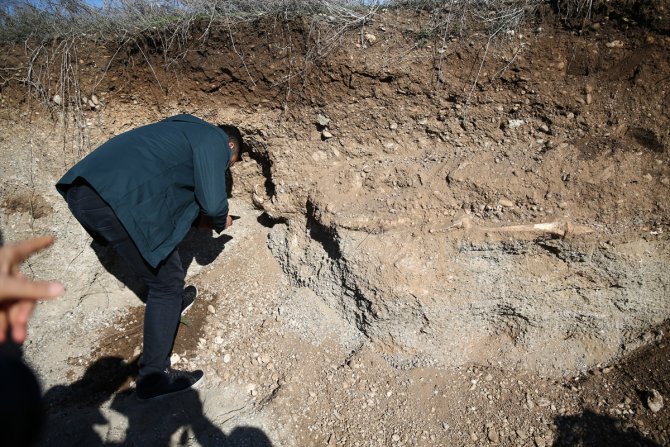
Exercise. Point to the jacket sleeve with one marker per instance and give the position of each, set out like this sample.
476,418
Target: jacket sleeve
210,161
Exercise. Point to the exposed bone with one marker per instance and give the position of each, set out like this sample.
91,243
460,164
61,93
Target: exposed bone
558,228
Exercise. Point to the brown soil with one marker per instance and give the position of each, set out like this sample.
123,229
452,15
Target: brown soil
380,291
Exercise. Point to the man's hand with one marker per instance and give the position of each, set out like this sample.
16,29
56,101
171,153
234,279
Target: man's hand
18,295
203,224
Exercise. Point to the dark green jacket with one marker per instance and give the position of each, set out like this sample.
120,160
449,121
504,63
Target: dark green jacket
157,178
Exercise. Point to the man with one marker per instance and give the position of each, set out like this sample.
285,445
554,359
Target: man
139,193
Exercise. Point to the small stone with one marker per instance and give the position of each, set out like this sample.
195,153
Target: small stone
589,98
614,44
218,340
665,181
648,177
588,88
174,359
322,120
370,38
529,402
326,134
211,309
393,126
654,401
95,100
506,203
227,358
544,128
493,435
395,437
57,100
539,441
513,123
473,436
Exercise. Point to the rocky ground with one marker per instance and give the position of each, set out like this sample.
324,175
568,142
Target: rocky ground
433,248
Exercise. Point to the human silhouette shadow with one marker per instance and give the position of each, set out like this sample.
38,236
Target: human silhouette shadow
161,422
199,246
74,411
596,430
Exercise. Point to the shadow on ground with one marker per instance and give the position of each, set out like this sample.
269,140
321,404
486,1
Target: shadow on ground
199,246
597,430
75,415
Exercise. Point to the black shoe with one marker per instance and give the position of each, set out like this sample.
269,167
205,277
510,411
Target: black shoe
170,381
188,298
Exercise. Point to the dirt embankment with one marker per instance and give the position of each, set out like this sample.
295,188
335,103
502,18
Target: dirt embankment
435,216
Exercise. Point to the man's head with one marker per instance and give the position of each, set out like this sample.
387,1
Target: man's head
235,141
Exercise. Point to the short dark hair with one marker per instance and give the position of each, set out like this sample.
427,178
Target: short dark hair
235,135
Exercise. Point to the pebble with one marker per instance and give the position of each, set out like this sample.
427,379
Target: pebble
326,134
493,435
322,120
371,38
174,359
211,309
513,124
654,401
506,203
544,128
614,44
539,441
529,402
95,100
218,340
393,126
57,99
395,437
227,358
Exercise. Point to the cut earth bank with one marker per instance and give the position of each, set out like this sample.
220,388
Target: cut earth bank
386,266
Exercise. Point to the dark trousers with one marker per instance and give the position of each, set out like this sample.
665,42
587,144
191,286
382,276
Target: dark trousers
165,282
